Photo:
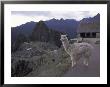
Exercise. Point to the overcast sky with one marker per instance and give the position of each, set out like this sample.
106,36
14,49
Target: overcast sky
21,17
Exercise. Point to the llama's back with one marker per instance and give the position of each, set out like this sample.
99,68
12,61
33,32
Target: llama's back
82,48
83,45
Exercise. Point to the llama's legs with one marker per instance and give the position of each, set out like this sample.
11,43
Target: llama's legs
86,60
73,61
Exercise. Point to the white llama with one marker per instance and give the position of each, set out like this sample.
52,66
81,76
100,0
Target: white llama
77,50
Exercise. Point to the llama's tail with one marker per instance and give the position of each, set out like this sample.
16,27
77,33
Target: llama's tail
91,47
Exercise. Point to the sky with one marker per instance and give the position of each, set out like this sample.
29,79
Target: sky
21,17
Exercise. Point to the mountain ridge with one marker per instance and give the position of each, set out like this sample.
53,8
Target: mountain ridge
57,26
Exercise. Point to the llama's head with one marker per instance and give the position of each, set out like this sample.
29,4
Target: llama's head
64,38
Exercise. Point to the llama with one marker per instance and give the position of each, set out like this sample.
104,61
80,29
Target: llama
77,50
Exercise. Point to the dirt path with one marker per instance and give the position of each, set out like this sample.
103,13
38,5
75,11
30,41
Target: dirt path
93,70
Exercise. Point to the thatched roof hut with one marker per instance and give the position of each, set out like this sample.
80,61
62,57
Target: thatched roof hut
89,26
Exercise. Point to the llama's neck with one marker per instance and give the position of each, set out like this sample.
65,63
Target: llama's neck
65,45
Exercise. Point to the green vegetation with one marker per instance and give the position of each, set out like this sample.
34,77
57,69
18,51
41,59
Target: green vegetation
49,60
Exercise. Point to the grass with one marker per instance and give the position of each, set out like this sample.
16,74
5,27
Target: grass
50,68
50,63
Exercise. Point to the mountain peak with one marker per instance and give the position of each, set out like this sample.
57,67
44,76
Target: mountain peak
61,19
41,22
97,16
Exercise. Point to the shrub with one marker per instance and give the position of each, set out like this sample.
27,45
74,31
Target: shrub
21,68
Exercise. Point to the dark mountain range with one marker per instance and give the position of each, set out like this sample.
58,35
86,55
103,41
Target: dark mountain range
68,26
42,33
25,29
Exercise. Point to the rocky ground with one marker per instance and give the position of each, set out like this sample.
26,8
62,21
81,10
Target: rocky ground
40,59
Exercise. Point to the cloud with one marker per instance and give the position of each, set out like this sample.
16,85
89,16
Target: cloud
30,13
21,17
